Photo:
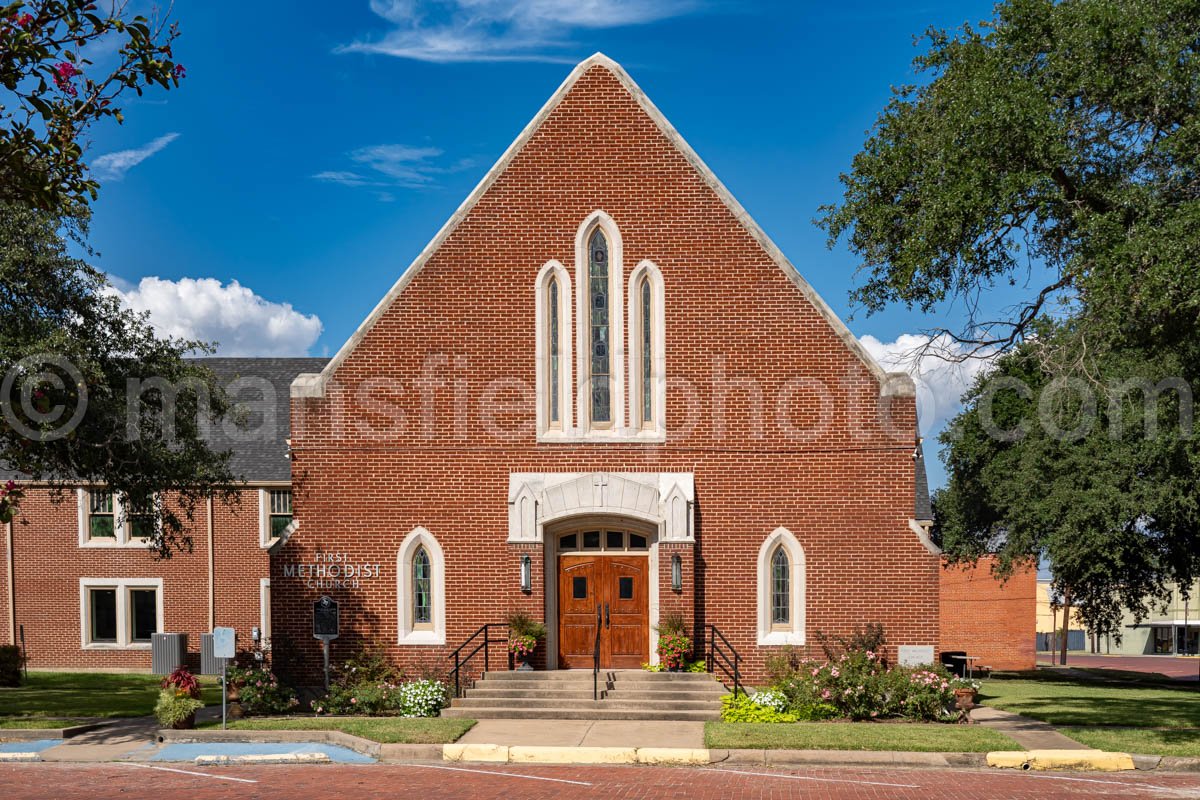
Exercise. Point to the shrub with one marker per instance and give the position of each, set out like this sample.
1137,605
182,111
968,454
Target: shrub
741,708
175,706
261,692
861,640
182,681
422,698
10,665
673,650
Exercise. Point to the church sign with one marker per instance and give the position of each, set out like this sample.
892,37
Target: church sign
332,571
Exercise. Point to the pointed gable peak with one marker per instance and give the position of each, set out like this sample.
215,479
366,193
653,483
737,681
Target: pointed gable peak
890,383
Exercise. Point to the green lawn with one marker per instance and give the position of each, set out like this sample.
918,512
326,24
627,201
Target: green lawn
389,730
1061,700
1146,741
40,722
926,738
79,695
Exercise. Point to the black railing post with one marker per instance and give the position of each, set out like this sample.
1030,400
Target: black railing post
457,672
487,649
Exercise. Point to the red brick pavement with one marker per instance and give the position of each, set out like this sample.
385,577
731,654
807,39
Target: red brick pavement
1171,666
505,782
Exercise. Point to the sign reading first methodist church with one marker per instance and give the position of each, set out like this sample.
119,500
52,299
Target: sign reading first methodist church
332,571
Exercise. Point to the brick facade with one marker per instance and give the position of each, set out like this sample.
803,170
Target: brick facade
48,563
988,618
432,409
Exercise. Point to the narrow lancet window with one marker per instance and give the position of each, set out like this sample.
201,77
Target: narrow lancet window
555,357
647,357
422,599
598,319
781,595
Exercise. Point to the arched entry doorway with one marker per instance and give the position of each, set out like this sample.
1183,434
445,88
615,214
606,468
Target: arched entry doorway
604,588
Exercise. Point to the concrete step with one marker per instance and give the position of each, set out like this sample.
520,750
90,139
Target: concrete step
652,686
542,713
582,705
494,691
585,676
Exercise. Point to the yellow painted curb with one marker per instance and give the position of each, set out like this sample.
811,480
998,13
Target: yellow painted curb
573,755
672,755
475,752
1061,759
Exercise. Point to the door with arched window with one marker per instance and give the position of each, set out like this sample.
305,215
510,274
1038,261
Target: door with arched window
603,587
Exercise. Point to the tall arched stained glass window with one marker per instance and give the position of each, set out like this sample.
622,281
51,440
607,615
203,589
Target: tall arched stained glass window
555,357
422,593
599,323
647,384
781,588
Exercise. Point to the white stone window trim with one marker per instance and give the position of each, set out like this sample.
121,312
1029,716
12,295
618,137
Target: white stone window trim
658,341
616,333
566,329
124,611
769,634
122,538
265,539
264,613
407,632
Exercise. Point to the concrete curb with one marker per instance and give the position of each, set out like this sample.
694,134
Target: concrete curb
355,743
1179,764
1061,760
33,734
20,757
855,758
280,758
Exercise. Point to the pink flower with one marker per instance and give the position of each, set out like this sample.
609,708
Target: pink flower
353,701
825,694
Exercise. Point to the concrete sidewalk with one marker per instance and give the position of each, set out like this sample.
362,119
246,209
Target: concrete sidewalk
585,733
1031,734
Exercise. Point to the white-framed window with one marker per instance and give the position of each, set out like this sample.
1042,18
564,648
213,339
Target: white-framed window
119,613
107,520
600,328
274,514
647,348
781,589
554,351
421,589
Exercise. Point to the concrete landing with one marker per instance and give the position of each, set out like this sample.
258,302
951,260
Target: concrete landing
586,733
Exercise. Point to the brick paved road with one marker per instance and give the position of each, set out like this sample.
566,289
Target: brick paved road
506,782
1181,668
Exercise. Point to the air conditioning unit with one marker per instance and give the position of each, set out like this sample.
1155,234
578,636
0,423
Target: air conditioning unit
168,651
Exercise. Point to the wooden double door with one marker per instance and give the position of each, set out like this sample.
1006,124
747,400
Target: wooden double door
609,594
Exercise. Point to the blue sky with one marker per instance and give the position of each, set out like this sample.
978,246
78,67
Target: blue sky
313,151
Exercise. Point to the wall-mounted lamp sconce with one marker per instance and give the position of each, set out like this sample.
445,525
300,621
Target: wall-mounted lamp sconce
676,573
526,574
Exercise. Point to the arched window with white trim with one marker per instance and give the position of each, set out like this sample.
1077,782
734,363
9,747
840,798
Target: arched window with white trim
553,311
600,333
781,589
421,589
647,360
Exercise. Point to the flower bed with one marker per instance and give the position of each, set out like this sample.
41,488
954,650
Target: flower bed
369,685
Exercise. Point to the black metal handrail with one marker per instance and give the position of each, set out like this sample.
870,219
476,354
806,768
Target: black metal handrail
596,659
461,661
731,667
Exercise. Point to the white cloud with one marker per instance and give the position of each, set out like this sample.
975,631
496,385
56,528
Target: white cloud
238,320
446,31
113,166
390,166
940,380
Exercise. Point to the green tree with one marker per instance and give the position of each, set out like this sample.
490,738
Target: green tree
1060,140
90,394
55,92
1098,477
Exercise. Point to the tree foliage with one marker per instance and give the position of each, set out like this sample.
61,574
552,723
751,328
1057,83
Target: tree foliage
90,394
56,92
1100,479
1057,147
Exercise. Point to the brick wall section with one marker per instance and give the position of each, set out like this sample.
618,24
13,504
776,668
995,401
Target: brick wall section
49,563
436,446
987,617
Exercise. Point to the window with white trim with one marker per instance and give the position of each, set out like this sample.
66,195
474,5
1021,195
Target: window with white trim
106,519
421,589
554,350
599,340
118,613
781,589
600,389
275,514
647,362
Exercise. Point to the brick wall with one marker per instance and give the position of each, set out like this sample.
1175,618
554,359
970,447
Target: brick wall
989,618
434,408
49,563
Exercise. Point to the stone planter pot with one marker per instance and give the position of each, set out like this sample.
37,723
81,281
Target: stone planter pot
964,701
186,724
236,711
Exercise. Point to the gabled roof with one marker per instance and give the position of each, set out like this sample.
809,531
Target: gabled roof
313,385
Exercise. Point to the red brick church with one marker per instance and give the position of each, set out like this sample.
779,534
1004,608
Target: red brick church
601,395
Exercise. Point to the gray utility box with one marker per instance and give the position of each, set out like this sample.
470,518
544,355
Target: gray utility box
210,664
167,652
